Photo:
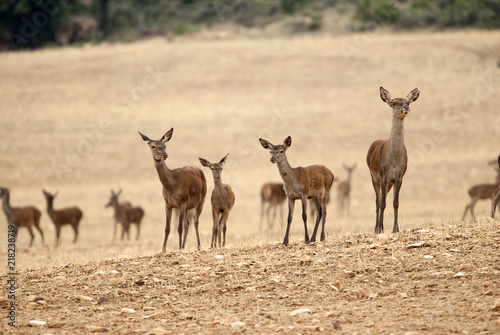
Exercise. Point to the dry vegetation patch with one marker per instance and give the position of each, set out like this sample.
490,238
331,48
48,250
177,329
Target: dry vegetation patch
438,280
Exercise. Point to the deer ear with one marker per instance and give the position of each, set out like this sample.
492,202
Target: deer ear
144,137
413,95
265,144
204,162
223,160
287,142
385,95
167,136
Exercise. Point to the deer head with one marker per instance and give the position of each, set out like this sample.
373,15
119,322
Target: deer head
215,167
158,147
400,107
49,196
114,199
277,151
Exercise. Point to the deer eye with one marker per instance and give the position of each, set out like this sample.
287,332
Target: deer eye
281,151
153,147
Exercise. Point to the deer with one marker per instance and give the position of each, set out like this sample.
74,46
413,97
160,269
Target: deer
273,197
28,216
311,182
61,217
183,189
496,195
126,215
344,190
387,159
222,202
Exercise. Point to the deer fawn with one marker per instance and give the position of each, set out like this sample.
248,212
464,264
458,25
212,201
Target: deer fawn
496,196
272,195
28,216
312,182
387,159
183,188
222,202
126,215
60,217
344,190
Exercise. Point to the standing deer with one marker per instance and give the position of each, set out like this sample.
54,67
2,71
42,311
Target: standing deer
496,196
479,192
70,215
28,216
387,159
273,197
183,188
311,182
344,190
126,215
222,202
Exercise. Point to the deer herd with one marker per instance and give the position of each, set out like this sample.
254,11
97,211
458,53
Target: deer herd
184,190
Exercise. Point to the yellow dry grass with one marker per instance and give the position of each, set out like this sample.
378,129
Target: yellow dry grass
70,117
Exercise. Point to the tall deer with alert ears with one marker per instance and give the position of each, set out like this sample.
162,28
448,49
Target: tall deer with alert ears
222,202
183,189
387,159
311,182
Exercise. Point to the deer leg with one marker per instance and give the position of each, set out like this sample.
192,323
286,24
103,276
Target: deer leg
168,214
376,187
37,226
397,187
224,226
383,195
58,235
323,211
472,209
182,227
275,211
304,218
114,230
291,205
196,220
318,217
138,230
32,235
215,228
75,229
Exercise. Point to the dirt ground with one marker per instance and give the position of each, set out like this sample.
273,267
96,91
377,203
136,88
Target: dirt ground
440,280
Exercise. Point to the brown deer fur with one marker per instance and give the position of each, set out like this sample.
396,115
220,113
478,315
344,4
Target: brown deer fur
272,196
28,216
387,159
312,182
183,188
222,202
60,217
126,215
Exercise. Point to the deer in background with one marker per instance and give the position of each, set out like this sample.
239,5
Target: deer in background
387,159
272,195
28,216
60,217
344,190
126,215
496,195
480,192
311,182
183,188
222,202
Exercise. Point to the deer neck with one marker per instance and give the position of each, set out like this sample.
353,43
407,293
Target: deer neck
165,175
6,205
397,140
286,171
218,186
50,207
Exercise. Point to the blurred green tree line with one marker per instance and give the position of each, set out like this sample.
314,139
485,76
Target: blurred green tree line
36,23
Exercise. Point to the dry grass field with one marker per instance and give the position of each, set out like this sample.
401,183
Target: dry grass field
69,121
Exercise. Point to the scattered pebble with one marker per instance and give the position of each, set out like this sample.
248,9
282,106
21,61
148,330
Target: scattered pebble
84,298
496,305
300,311
37,323
238,324
127,310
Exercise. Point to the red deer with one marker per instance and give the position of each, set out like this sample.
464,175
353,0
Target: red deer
344,191
126,215
60,217
18,217
387,159
183,188
273,197
312,182
222,202
496,196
